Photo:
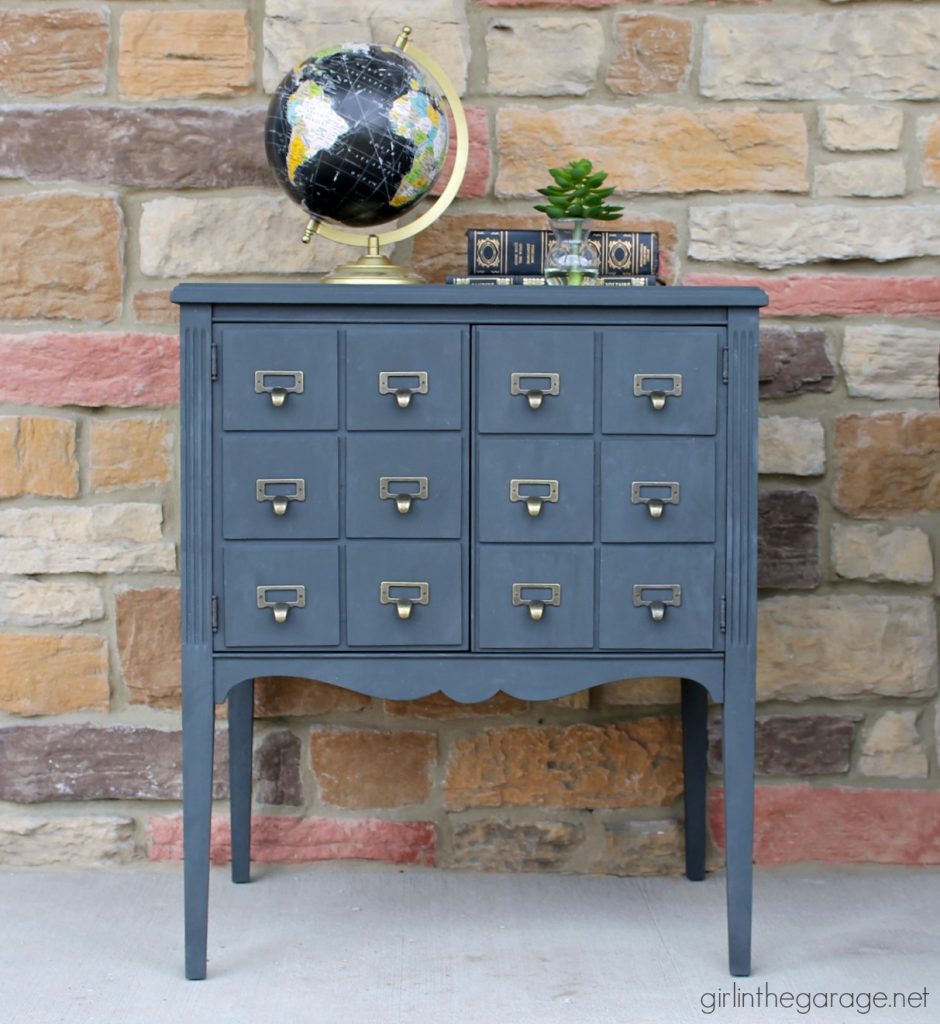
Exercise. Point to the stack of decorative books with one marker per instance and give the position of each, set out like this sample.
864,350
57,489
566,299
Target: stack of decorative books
499,256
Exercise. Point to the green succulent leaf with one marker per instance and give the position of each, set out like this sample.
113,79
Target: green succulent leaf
576,192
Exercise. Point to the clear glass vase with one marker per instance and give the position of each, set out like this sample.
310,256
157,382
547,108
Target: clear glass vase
572,257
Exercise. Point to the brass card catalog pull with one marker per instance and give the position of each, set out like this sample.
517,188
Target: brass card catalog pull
393,382
655,503
533,502
417,491
657,606
536,605
279,392
404,604
657,394
551,385
280,502
281,608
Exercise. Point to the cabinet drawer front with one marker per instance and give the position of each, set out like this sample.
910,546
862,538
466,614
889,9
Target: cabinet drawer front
660,380
658,490
535,489
434,578
278,378
688,613
507,603
312,614
280,486
404,377
535,380
384,472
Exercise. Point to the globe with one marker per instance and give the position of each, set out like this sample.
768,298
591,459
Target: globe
357,134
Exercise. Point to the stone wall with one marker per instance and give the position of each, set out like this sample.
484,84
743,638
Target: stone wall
791,145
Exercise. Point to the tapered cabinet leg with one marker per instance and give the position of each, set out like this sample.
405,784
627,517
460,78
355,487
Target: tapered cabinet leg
240,733
738,748
695,767
198,741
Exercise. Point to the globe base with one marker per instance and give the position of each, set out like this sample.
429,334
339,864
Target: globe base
372,268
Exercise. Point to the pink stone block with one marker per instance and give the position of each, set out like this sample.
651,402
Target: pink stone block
294,840
92,369
838,294
477,178
839,825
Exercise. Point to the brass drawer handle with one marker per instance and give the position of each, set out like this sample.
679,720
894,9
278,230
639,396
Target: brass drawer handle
657,606
280,608
403,604
279,392
403,499
657,394
551,385
391,382
536,605
280,502
533,502
655,503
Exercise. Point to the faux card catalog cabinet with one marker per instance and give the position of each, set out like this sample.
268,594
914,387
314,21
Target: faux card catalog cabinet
533,490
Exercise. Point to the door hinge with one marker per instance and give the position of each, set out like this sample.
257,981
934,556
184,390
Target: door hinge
214,605
723,614
214,362
724,365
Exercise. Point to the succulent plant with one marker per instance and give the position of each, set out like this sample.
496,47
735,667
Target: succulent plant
577,192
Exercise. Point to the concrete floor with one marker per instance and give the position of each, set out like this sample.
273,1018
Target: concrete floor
330,944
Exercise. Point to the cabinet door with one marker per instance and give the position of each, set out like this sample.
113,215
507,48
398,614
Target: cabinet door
659,490
535,489
535,380
405,485
280,595
535,597
280,486
406,594
657,597
405,377
277,377
660,380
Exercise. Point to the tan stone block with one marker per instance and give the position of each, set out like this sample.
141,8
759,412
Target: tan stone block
654,55
360,768
491,844
856,127
928,131
893,748
888,361
53,52
154,307
792,446
148,639
131,521
641,848
439,707
46,239
72,841
870,553
876,176
887,464
631,764
654,690
51,673
37,456
293,29
655,149
844,647
130,453
30,603
796,55
548,56
782,234
284,696
170,53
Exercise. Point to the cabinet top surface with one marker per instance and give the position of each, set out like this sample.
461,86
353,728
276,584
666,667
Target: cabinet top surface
469,296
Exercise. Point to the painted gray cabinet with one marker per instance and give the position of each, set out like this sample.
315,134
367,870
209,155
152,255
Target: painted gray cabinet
519,489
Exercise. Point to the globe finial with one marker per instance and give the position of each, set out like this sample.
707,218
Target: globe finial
404,38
